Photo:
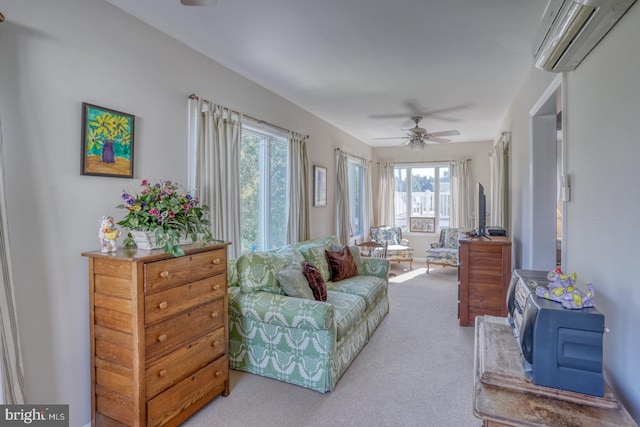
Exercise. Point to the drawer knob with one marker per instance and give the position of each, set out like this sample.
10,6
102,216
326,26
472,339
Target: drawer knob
215,343
162,373
216,261
162,305
216,286
164,274
218,373
214,314
162,338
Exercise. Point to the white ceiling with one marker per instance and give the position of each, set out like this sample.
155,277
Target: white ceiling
346,60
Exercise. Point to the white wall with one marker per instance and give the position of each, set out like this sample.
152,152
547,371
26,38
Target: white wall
602,128
478,152
54,56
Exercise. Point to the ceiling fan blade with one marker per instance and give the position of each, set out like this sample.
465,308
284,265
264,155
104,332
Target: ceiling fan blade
395,137
437,140
445,133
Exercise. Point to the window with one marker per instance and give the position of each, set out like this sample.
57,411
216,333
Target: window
356,200
422,190
263,186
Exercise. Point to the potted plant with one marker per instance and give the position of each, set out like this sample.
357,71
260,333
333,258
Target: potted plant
162,216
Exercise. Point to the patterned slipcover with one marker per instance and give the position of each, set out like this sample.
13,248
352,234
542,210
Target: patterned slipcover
445,251
398,249
304,342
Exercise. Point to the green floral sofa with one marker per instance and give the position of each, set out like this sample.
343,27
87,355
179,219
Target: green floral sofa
301,341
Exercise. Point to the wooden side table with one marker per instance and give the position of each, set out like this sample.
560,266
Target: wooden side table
521,403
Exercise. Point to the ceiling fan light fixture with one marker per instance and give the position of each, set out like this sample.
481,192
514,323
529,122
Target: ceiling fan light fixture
416,145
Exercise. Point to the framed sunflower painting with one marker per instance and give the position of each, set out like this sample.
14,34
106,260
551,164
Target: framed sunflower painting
107,142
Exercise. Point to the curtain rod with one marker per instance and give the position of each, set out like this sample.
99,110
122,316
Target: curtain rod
424,162
194,96
346,153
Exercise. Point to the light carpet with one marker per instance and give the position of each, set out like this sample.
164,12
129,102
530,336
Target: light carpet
417,370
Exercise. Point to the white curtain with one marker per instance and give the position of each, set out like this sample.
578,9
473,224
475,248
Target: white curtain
498,159
12,387
342,198
217,174
368,201
460,194
386,194
298,215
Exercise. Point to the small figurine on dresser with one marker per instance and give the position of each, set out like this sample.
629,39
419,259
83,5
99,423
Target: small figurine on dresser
108,234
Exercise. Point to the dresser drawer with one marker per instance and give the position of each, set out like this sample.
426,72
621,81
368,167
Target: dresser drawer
160,305
160,275
178,398
177,330
184,361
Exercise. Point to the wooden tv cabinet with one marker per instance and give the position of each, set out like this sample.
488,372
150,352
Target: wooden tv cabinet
159,334
484,272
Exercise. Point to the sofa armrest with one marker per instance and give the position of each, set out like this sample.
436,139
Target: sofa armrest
282,310
435,245
404,242
378,267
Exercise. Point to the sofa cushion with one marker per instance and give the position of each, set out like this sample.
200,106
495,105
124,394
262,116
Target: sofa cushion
349,310
341,264
294,282
257,271
314,253
370,288
316,282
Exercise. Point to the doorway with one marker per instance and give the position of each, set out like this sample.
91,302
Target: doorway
547,152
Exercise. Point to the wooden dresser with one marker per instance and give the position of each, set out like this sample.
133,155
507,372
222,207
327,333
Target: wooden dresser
484,272
159,334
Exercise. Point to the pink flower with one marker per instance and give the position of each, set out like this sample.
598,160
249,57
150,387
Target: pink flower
144,182
154,211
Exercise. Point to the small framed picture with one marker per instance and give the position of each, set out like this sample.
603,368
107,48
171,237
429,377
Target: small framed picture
107,142
422,224
319,186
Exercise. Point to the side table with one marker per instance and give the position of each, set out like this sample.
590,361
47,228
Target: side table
521,403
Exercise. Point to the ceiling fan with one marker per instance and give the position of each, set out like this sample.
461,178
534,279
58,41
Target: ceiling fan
418,137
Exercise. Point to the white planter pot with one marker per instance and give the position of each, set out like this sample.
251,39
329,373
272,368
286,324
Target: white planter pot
147,240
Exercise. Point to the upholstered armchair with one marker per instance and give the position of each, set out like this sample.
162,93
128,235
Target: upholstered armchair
398,249
444,252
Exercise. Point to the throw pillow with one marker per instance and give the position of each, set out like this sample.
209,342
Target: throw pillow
316,282
294,282
314,253
355,253
341,264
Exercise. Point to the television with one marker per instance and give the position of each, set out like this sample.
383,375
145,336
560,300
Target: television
481,212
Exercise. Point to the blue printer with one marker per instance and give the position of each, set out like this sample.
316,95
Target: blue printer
561,348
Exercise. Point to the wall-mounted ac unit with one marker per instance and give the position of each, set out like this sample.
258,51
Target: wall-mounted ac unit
569,29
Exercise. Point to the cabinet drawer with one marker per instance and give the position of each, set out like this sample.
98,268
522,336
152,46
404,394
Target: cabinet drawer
160,305
160,275
180,329
184,361
178,398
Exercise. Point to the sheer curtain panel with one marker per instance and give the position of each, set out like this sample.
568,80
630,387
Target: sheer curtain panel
342,198
498,159
12,387
298,215
386,194
217,171
367,200
460,194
